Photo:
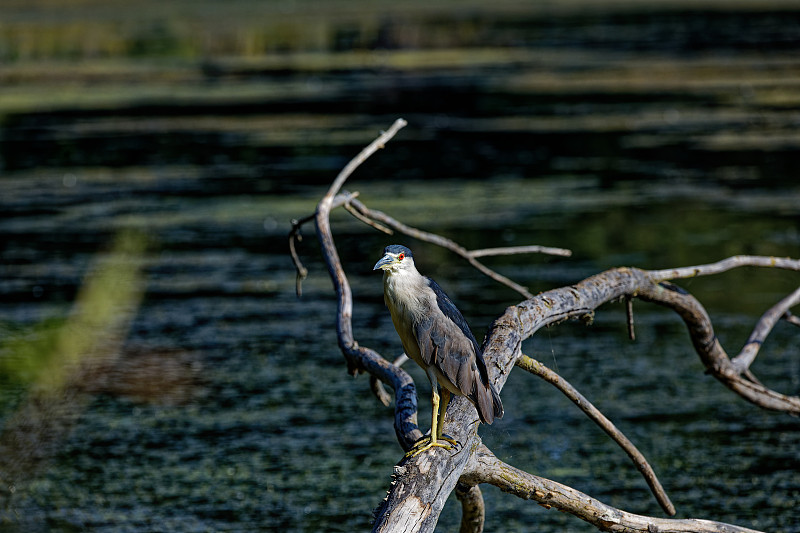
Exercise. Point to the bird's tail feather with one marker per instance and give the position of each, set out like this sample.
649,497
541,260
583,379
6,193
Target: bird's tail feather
488,404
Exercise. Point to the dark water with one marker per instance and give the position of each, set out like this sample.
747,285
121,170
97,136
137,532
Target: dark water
643,136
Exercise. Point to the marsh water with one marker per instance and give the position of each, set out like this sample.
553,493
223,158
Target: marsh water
164,152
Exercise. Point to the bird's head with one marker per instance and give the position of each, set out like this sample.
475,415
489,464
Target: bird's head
395,257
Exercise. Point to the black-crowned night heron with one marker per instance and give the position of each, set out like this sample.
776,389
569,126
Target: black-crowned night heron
436,336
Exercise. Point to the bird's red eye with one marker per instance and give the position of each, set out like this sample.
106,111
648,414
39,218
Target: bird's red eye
401,256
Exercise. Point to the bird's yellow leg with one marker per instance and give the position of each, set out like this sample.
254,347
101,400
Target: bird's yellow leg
440,424
426,443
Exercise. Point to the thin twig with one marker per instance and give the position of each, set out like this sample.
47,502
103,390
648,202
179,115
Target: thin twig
380,220
295,237
353,211
791,319
538,369
767,322
709,348
514,250
725,265
629,314
362,156
440,241
377,388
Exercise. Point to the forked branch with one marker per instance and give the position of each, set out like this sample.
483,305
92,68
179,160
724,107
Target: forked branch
736,377
538,369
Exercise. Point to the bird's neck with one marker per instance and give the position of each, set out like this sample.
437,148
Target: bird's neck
402,278
403,287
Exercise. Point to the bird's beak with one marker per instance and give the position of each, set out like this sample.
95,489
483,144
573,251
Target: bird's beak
385,261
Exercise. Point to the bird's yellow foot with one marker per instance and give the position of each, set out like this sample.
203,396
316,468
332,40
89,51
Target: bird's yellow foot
426,443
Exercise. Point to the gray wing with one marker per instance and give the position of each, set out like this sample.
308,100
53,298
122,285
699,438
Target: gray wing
446,341
451,311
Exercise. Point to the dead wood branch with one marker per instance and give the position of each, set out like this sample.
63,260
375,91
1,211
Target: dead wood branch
360,358
377,387
538,369
629,316
726,264
386,224
748,354
512,250
586,296
386,220
550,494
472,508
710,350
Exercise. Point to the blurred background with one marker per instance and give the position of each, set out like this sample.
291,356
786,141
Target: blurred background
157,371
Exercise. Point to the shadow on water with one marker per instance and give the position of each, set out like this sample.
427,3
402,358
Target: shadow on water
648,135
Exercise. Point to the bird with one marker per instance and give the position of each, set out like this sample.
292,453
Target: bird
436,336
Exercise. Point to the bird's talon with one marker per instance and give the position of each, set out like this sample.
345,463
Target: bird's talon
449,439
420,441
426,443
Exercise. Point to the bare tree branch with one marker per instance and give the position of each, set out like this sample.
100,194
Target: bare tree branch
489,469
748,354
629,315
513,250
711,353
725,265
353,211
440,241
386,224
377,387
360,358
295,237
538,369
473,510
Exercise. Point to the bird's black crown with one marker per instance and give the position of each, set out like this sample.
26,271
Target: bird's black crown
397,249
